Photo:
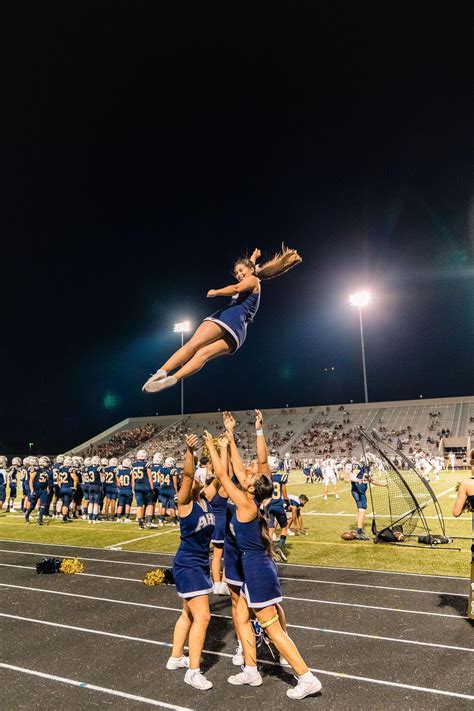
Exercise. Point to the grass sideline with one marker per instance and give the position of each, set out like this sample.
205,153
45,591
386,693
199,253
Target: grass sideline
325,521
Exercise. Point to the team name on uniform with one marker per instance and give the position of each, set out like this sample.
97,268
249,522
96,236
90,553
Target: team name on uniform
205,520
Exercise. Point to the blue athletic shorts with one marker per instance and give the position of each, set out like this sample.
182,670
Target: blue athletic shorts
12,491
360,499
144,498
278,513
125,498
167,501
66,494
94,493
3,493
111,492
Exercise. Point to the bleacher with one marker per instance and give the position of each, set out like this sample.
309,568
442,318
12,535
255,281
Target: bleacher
308,431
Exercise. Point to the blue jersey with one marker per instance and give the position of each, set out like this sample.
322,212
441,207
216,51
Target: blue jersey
64,477
109,477
41,478
278,480
141,481
166,481
196,533
156,475
124,477
219,505
359,486
94,474
3,478
13,476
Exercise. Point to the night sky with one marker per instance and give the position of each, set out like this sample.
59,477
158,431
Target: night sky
143,153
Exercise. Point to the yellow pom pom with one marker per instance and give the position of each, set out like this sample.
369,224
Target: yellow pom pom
71,566
154,577
205,451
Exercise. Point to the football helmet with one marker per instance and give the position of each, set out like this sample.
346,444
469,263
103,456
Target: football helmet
127,463
3,461
44,461
113,462
33,461
67,461
273,463
16,462
59,459
104,462
95,461
141,454
87,462
157,458
170,462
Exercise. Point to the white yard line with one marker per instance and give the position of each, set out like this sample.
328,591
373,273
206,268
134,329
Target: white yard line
92,687
142,538
339,675
229,617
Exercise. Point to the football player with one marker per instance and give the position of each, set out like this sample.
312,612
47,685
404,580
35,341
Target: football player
168,488
13,479
68,482
111,490
143,490
125,491
38,479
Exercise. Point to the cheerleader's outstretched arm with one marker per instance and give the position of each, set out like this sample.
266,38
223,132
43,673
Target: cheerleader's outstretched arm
247,284
185,492
262,452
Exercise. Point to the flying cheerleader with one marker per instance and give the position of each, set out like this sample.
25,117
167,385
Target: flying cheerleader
225,330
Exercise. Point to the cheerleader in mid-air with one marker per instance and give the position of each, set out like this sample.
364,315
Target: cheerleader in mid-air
225,330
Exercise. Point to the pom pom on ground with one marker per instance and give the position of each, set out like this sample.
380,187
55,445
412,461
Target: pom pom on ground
70,566
154,577
349,536
48,566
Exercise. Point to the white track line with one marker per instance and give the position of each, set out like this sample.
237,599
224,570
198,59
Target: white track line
299,580
370,515
285,597
339,675
142,538
92,687
229,617
287,565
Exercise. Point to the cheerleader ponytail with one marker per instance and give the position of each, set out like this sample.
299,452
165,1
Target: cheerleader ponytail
263,490
282,262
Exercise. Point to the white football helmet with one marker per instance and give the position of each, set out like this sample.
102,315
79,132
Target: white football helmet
105,462
26,462
60,459
113,462
3,461
157,458
33,461
16,462
273,463
76,461
141,454
170,462
95,461
127,463
67,461
87,462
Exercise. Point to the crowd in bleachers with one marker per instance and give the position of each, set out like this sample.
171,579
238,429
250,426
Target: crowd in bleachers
123,441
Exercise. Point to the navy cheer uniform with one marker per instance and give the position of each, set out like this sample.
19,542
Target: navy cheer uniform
94,480
191,564
141,483
66,484
261,586
111,491
234,574
235,316
276,508
219,506
125,492
358,487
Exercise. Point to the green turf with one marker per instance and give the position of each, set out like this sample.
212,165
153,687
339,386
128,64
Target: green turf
322,546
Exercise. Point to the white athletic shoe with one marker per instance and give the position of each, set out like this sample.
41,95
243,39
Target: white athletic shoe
127,520
154,386
290,533
198,680
177,663
305,688
151,525
238,658
245,678
156,377
337,496
84,517
89,521
325,498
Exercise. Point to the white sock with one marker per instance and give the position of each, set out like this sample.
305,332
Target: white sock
195,671
306,677
251,671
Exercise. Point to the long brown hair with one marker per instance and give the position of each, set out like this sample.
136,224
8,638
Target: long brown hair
263,490
280,263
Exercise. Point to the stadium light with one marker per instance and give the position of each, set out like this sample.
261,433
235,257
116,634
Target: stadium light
360,299
182,327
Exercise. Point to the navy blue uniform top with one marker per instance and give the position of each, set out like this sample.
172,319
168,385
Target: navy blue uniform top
64,477
247,535
85,474
141,481
3,478
248,304
359,487
166,480
55,470
219,505
13,475
41,478
278,480
196,533
156,475
109,477
124,477
94,474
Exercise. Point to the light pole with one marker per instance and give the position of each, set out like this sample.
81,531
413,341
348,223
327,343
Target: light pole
360,299
30,445
182,328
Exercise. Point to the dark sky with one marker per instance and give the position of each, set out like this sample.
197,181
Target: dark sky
142,153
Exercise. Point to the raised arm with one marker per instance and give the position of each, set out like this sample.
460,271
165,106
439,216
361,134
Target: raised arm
247,284
262,453
238,497
460,503
186,492
237,466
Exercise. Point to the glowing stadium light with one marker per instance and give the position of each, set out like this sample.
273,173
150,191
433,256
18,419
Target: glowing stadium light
182,327
360,299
